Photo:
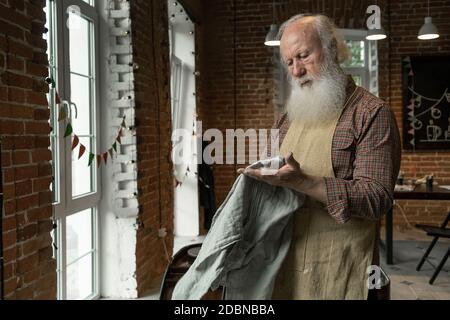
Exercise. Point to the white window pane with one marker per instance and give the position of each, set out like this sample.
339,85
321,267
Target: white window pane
79,278
82,174
79,42
78,234
356,48
81,96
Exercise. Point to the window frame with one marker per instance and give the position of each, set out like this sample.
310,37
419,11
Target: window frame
66,205
363,72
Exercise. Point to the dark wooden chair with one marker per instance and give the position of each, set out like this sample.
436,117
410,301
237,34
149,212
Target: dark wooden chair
436,233
178,266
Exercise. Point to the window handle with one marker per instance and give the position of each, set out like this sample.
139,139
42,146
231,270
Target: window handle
75,107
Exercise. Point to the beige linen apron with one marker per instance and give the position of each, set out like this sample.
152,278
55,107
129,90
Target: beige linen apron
326,260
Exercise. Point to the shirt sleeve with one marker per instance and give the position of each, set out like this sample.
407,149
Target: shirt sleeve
369,194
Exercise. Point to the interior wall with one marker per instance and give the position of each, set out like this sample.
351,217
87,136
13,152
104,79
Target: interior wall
236,74
30,270
406,18
153,132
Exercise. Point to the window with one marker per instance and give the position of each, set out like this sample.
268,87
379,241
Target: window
363,64
73,64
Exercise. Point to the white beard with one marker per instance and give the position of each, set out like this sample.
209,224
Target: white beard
320,100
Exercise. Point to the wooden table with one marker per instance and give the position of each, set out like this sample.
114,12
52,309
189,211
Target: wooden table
419,193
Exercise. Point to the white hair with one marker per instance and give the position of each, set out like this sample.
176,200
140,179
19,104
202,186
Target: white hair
333,45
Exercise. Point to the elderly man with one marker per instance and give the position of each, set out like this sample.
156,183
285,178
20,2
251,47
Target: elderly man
342,150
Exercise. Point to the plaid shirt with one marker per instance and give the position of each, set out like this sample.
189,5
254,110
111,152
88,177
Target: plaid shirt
365,155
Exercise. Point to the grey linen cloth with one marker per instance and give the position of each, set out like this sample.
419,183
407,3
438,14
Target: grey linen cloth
248,240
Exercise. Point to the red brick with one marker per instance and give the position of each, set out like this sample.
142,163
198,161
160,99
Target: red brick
26,293
9,239
45,197
20,157
27,232
11,127
41,114
17,80
41,184
26,173
45,254
36,69
20,49
16,95
37,98
10,207
40,213
41,155
37,128
27,202
23,188
10,255
45,226
6,159
31,276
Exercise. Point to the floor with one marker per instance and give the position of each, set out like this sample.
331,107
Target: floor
406,282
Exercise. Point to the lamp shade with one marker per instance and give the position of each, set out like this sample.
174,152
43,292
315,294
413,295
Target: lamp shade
428,30
271,37
376,34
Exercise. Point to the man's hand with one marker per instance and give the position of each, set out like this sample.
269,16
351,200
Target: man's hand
290,176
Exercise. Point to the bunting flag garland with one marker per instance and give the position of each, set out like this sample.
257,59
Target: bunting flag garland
100,157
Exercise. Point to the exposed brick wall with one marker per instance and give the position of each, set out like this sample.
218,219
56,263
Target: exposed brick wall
236,73
406,19
30,271
153,125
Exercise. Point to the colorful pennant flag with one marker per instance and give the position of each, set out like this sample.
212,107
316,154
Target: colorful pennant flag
91,158
75,141
82,150
99,160
69,130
